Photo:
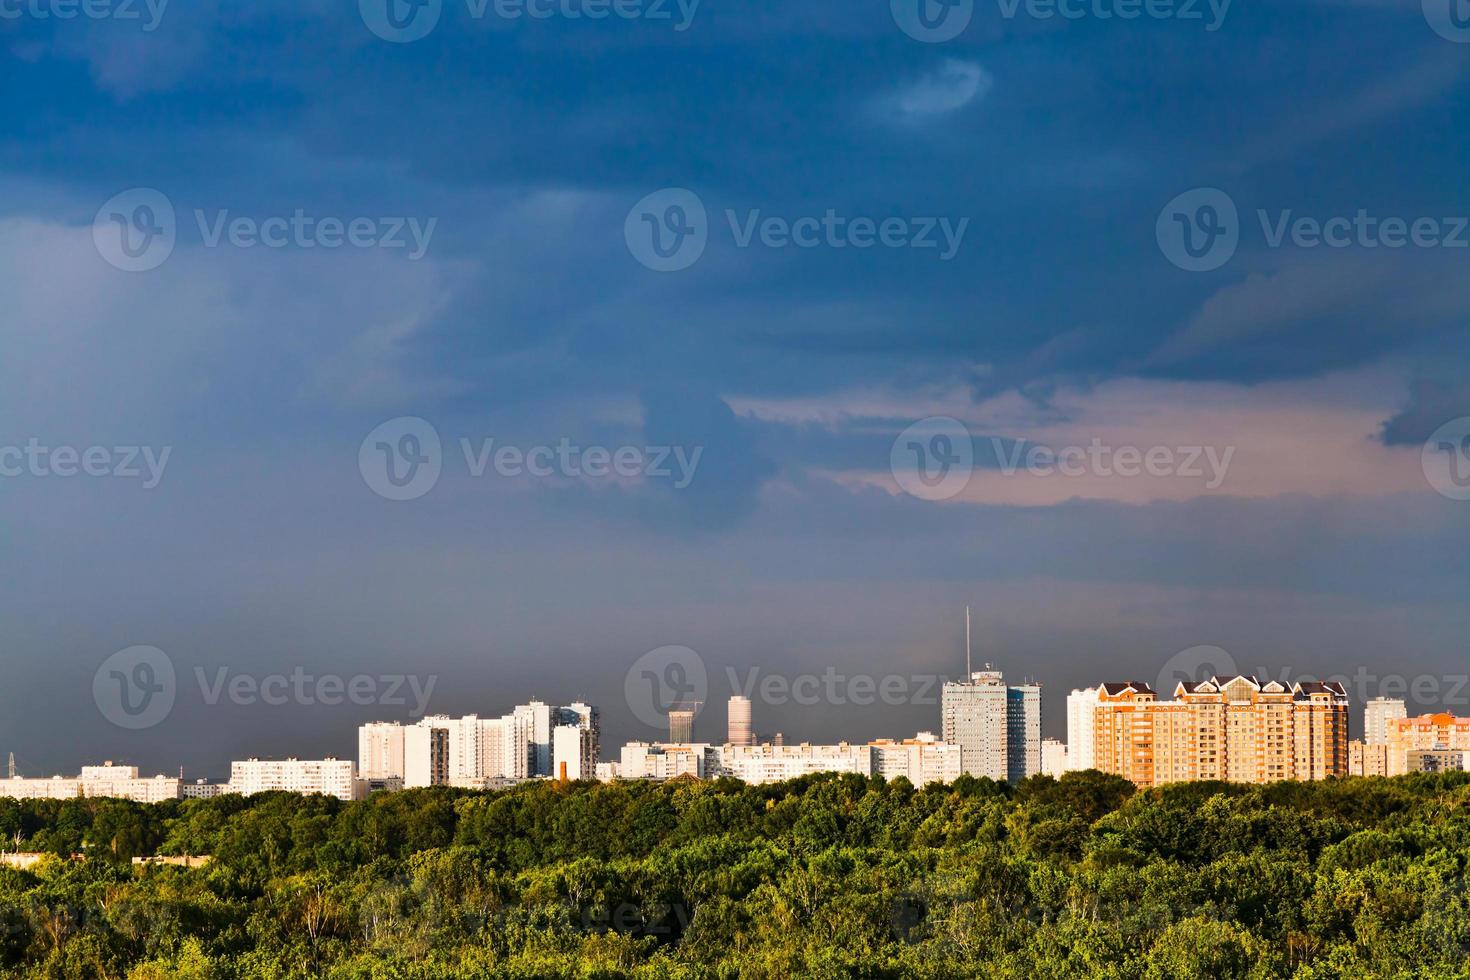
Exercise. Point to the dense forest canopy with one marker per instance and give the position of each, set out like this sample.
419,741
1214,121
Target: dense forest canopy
827,876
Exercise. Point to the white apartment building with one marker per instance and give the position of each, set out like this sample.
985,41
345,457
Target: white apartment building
1081,722
328,777
1053,757
921,760
425,754
574,752
998,728
469,751
380,750
203,789
539,719
1377,713
756,764
106,780
660,761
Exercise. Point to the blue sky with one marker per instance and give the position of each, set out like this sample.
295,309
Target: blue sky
1059,320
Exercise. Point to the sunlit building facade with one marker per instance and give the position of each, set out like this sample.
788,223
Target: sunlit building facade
1233,728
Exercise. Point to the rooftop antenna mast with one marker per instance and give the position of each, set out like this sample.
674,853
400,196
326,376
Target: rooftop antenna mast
10,770
968,671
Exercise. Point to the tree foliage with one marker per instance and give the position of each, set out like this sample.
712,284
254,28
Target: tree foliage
826,876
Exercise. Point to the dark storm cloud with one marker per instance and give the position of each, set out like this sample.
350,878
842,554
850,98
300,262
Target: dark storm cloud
529,321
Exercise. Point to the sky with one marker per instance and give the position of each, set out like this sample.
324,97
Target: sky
493,351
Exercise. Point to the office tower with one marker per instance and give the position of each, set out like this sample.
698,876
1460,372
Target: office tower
380,750
1234,728
1023,731
974,717
1053,757
1081,704
681,726
1377,713
997,728
738,730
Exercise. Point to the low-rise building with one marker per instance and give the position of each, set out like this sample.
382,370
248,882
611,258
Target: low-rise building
327,777
1434,760
203,789
655,760
921,760
756,764
1367,759
106,780
1053,757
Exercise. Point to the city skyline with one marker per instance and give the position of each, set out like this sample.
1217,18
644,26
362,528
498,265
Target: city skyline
1235,728
1022,717
404,385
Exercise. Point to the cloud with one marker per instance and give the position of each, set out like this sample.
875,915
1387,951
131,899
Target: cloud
1313,438
1325,311
1432,402
949,88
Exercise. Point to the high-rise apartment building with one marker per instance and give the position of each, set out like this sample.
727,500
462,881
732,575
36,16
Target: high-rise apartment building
998,728
1376,716
576,742
426,754
1409,739
380,750
588,721
1081,706
475,751
1233,728
738,730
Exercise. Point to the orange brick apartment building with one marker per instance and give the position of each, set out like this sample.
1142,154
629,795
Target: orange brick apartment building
1233,728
